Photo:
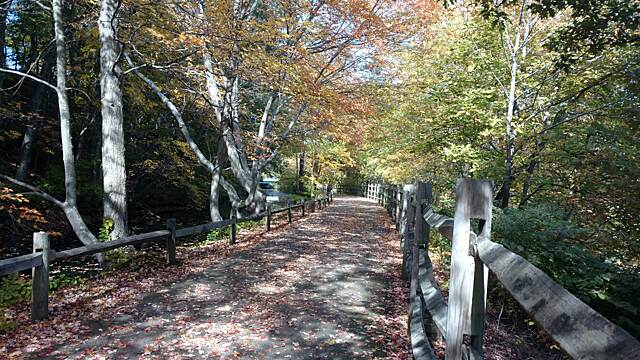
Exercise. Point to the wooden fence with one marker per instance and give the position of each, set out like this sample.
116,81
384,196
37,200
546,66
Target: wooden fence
580,331
43,256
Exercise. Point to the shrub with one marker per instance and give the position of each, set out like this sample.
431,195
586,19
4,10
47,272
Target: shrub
547,240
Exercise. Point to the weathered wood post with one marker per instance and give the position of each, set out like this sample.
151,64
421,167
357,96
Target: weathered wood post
406,229
385,196
420,245
484,193
40,278
468,274
234,227
391,200
268,216
398,208
304,204
171,241
289,211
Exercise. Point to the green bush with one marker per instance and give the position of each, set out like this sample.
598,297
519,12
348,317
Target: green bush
542,236
218,234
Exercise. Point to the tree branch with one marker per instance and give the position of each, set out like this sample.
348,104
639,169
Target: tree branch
31,77
176,114
35,190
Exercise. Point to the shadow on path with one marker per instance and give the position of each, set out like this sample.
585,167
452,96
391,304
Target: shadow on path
318,289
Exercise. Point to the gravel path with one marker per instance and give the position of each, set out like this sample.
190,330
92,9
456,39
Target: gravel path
325,287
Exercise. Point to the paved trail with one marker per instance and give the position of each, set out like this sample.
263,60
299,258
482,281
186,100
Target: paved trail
325,287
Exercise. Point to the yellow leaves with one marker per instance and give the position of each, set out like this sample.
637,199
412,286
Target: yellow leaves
156,34
190,39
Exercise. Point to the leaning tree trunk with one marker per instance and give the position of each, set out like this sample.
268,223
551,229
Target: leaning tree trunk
113,161
214,199
70,203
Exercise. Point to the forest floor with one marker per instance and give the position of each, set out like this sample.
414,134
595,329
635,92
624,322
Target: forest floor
326,287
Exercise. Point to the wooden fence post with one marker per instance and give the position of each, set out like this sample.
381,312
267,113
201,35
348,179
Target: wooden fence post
234,227
398,208
406,229
268,216
385,189
423,196
419,246
171,241
289,211
473,201
40,278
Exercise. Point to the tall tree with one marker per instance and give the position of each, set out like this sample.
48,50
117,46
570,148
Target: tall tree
69,205
286,59
4,10
113,147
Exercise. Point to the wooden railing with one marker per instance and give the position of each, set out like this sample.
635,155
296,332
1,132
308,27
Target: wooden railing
580,331
43,256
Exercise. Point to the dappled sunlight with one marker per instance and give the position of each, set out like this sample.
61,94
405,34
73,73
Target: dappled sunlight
326,287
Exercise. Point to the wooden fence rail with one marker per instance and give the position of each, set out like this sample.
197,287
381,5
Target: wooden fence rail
580,331
42,256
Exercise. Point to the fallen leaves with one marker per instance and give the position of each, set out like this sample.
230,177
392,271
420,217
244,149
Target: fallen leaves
307,288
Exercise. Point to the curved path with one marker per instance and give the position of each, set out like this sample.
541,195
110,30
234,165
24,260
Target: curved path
325,287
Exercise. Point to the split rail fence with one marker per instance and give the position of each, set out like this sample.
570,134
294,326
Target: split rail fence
43,256
580,331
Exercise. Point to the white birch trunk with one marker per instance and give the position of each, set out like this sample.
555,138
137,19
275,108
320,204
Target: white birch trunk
113,160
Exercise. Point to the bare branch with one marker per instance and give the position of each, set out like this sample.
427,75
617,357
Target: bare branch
30,77
35,190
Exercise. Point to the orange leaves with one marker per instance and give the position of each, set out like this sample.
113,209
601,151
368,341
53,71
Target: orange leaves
16,204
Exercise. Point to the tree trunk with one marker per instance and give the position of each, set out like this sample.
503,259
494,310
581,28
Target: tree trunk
26,153
214,199
38,102
113,149
4,9
508,128
301,173
527,182
63,106
70,205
